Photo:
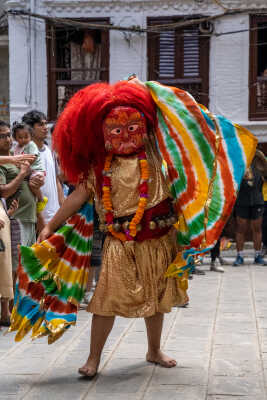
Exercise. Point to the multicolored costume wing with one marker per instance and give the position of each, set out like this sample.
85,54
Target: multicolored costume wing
207,157
52,278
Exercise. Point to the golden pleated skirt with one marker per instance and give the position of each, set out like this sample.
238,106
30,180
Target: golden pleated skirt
132,282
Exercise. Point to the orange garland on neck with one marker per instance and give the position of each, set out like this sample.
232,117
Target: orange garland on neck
143,196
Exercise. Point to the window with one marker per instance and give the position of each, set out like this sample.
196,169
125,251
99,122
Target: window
179,57
258,68
77,57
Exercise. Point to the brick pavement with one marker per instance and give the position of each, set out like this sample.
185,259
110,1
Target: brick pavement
219,341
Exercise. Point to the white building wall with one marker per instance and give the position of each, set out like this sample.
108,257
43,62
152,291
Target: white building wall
19,69
4,78
229,54
229,65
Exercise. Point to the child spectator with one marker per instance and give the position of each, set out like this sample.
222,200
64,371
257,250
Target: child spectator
22,133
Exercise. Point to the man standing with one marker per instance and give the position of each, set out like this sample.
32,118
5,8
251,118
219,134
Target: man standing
52,188
250,208
13,185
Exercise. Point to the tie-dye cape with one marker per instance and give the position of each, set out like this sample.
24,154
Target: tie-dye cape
52,278
207,156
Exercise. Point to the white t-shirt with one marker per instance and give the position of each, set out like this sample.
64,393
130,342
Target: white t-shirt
49,189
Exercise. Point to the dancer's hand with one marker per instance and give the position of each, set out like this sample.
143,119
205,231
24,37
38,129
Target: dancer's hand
45,233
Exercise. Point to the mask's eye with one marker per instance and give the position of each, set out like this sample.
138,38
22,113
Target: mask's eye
133,128
116,131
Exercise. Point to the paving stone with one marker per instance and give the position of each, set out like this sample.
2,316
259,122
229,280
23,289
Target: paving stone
234,397
236,339
178,393
180,376
235,386
245,352
187,344
111,396
216,347
233,367
124,376
64,384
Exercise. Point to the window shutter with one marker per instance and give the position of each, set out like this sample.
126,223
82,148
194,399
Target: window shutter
167,54
191,52
179,57
258,64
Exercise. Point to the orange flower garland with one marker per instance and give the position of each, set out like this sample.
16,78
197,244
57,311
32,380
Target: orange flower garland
143,196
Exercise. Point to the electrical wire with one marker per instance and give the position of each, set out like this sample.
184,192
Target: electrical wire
150,29
220,5
154,34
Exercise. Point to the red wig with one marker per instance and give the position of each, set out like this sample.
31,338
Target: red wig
78,135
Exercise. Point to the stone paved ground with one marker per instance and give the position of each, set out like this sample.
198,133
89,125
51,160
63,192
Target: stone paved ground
220,342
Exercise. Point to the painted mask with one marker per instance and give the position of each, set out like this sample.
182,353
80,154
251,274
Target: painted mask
124,130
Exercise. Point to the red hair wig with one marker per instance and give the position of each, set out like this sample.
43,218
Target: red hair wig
78,134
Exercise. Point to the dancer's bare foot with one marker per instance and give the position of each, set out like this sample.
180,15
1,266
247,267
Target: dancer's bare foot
89,369
162,359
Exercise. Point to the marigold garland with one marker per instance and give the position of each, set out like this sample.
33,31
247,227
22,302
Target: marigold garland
143,196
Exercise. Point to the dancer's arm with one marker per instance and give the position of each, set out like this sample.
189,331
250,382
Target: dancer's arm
70,206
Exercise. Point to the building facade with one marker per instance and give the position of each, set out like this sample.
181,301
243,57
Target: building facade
4,65
222,62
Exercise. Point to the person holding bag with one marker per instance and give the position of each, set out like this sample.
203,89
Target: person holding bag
6,282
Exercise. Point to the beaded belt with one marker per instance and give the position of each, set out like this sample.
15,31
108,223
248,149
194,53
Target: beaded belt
156,222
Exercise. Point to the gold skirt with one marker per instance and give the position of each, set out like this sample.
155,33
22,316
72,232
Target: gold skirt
132,282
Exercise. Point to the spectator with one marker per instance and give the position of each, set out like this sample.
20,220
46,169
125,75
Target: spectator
13,185
15,238
52,188
264,221
215,254
6,286
249,208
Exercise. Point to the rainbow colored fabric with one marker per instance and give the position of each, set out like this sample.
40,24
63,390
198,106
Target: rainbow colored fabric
207,157
52,278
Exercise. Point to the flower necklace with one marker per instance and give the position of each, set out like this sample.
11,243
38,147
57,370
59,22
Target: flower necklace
143,196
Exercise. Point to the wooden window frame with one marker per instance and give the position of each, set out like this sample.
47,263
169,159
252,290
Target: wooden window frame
254,114
204,52
51,63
